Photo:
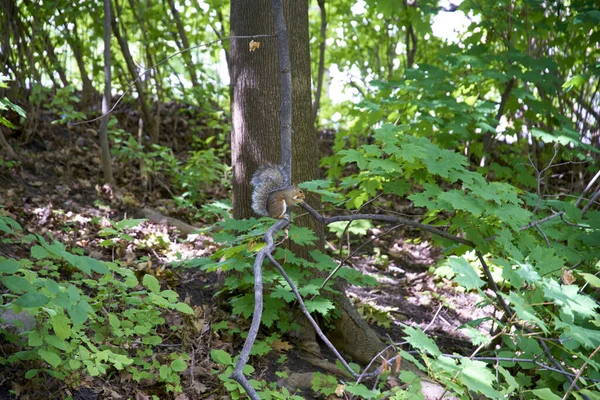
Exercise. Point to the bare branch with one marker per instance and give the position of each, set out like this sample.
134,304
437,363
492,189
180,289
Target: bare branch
238,374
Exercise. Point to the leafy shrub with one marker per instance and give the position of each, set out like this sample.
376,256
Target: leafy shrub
98,321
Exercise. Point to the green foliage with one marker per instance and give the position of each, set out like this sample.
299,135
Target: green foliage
477,132
85,325
324,384
63,104
235,390
117,232
192,177
528,264
238,245
6,104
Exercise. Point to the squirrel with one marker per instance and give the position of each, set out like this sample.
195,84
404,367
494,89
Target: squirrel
270,197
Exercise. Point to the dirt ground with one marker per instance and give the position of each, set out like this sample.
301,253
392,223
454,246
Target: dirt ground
56,184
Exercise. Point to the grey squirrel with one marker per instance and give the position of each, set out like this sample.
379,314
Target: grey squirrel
269,195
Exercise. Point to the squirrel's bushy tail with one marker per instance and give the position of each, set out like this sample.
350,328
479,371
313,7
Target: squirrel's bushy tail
265,180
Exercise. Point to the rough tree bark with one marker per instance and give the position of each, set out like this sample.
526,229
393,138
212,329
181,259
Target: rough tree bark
255,104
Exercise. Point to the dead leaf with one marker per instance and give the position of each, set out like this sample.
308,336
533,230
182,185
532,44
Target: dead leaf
567,277
384,365
199,387
199,325
339,390
111,394
141,396
398,364
279,345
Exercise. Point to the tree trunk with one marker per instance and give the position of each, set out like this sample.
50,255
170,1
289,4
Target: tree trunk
49,47
185,44
103,133
75,43
155,73
255,96
255,105
147,116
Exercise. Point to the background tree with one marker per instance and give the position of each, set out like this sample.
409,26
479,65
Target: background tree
103,132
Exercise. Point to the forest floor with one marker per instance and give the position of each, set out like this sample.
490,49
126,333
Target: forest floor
55,191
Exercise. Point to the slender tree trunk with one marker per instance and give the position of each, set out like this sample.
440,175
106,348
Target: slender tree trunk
149,122
23,65
185,44
150,60
75,44
103,133
321,67
49,47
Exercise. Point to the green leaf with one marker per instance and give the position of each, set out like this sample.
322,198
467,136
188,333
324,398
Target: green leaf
38,252
465,274
362,391
50,357
56,342
221,357
459,201
31,373
151,283
320,305
9,225
353,155
17,284
164,372
6,102
545,394
34,339
9,266
524,310
574,82
476,376
178,365
128,223
61,325
591,279
184,308
302,236
568,300
114,321
79,313
417,338
32,299
86,264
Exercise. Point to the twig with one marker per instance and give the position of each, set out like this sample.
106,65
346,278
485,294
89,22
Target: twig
579,373
160,63
587,188
345,260
310,318
591,202
386,218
